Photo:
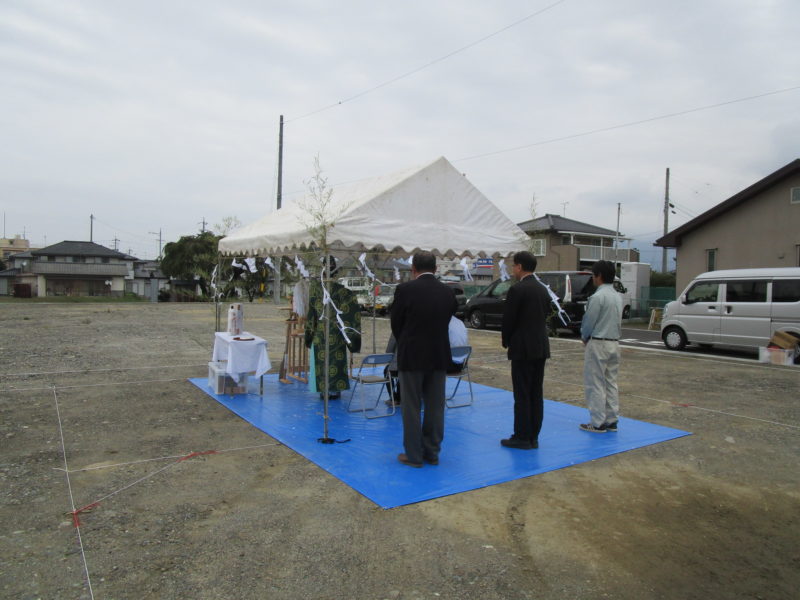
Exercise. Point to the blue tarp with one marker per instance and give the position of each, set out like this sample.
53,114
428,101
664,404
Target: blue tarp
471,454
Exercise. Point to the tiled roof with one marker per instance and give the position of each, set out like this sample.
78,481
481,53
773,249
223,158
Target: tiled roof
70,248
556,223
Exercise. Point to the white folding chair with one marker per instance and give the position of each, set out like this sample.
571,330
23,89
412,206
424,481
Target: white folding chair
457,353
372,362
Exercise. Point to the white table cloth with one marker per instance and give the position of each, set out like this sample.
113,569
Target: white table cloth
242,355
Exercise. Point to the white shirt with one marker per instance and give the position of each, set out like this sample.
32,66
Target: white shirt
458,335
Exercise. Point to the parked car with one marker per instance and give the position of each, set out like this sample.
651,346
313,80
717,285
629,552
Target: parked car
573,289
358,285
737,307
460,297
380,297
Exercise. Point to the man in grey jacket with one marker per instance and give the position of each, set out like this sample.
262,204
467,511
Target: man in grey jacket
600,330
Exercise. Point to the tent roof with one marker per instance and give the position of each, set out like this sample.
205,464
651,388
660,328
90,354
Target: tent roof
433,207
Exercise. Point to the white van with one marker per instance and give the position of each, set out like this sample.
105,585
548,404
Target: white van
739,307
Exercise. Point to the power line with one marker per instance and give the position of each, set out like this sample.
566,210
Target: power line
630,124
594,131
428,64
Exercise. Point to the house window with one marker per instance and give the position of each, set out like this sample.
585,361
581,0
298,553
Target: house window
106,259
51,259
565,240
711,259
539,247
79,259
794,198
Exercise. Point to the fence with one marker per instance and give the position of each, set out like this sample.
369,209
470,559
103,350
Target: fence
650,298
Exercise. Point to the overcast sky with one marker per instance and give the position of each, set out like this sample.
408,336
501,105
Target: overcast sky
156,115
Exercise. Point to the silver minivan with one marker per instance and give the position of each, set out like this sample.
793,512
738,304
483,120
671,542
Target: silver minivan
737,307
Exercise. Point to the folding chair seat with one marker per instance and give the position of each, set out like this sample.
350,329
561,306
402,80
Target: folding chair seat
375,376
457,353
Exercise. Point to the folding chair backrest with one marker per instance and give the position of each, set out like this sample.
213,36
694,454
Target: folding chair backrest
461,352
377,359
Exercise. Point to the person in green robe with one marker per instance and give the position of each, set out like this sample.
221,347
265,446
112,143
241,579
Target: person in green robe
345,301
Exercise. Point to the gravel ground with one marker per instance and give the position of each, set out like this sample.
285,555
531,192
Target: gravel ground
101,390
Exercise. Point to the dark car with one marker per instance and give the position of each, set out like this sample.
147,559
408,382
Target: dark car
460,297
572,288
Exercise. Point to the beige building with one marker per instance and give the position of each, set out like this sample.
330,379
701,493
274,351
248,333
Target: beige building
758,227
562,244
11,246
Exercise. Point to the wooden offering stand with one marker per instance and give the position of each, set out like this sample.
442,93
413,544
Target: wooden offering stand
295,358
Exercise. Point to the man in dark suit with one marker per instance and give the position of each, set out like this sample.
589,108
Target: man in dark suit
525,335
420,314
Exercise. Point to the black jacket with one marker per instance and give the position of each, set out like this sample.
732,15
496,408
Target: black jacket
525,320
420,315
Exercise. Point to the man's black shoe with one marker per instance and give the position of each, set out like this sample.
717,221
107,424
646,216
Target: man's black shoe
431,461
612,427
404,459
518,443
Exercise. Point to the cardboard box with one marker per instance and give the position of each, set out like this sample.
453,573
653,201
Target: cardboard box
784,340
777,356
222,383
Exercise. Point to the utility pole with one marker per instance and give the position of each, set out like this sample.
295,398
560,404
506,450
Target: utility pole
203,225
564,208
91,227
159,242
276,292
666,224
280,163
116,243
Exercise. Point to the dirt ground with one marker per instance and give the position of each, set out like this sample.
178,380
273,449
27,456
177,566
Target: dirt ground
102,391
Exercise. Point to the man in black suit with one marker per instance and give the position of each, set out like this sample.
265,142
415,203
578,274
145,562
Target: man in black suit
525,335
420,314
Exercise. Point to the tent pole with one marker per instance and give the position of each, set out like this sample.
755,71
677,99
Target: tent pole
276,280
217,305
374,318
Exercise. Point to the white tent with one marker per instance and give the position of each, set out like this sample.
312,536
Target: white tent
433,207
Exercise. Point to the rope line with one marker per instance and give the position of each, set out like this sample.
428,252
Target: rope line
76,512
75,521
33,373
136,462
88,385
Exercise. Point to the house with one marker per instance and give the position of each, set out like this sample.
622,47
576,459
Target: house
69,268
758,227
562,244
148,280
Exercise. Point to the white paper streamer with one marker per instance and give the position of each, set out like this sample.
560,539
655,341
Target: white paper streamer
363,260
504,276
268,263
251,264
396,274
561,312
326,299
300,266
235,263
465,267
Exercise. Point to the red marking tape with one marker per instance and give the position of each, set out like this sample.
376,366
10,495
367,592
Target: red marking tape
193,454
76,522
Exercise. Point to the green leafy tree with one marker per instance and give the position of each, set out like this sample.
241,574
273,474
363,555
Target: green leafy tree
191,256
658,279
